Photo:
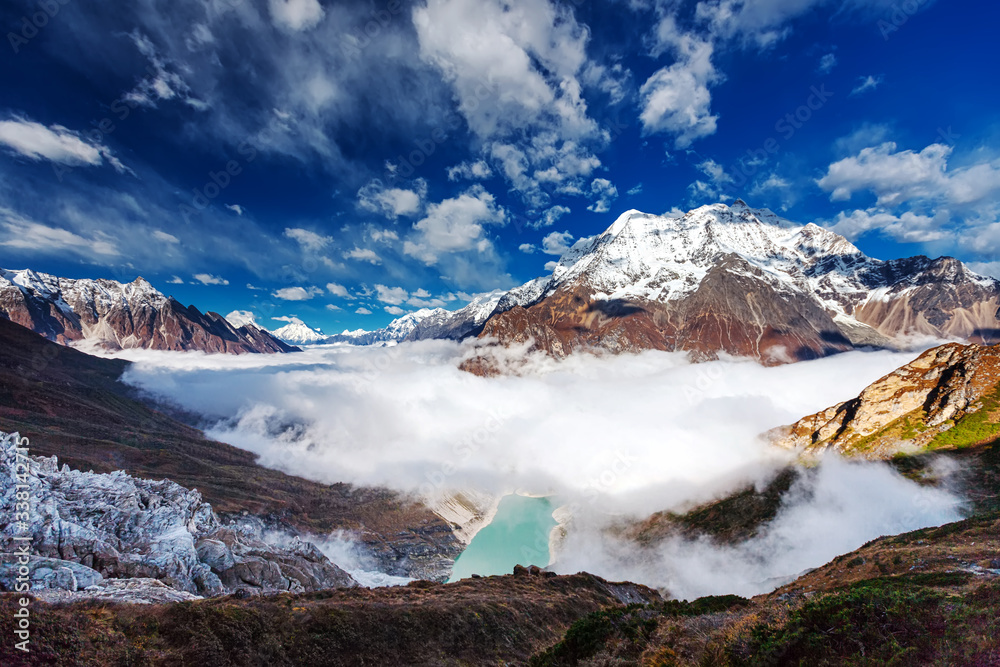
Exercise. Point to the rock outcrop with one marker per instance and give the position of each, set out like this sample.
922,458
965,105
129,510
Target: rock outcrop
87,527
121,316
947,397
124,591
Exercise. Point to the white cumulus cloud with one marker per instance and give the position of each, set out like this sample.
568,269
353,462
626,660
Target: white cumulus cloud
209,279
455,225
56,144
296,15
557,243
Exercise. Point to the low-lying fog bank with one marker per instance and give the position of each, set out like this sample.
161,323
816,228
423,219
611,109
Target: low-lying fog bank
614,437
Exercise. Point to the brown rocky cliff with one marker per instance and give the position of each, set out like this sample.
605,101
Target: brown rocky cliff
735,310
908,410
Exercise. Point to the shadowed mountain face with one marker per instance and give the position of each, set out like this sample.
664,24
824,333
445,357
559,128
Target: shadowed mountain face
72,405
739,281
115,316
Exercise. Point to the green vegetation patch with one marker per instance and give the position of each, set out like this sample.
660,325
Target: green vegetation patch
626,632
886,621
908,427
732,519
975,428
632,626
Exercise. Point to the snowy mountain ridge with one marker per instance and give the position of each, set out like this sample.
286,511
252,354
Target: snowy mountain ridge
428,323
742,281
97,294
664,259
118,315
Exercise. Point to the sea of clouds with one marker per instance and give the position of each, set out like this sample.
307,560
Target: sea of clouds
615,437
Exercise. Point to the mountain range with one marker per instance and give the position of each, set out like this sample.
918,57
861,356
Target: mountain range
741,281
115,316
926,597
716,280
429,323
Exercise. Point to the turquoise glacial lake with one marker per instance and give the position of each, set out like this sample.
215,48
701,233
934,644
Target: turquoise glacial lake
518,535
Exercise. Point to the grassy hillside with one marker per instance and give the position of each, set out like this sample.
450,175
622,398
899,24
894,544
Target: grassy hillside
930,597
491,621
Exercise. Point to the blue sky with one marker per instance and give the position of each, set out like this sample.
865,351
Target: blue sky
349,162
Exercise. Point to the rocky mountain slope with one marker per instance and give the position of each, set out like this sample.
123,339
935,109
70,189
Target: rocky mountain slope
73,406
925,597
740,281
121,316
86,527
928,597
949,397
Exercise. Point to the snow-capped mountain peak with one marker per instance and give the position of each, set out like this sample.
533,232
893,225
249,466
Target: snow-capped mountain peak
119,315
297,332
741,280
662,258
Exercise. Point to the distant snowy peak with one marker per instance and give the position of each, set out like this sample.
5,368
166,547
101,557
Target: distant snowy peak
294,332
428,323
459,324
298,332
395,332
121,315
